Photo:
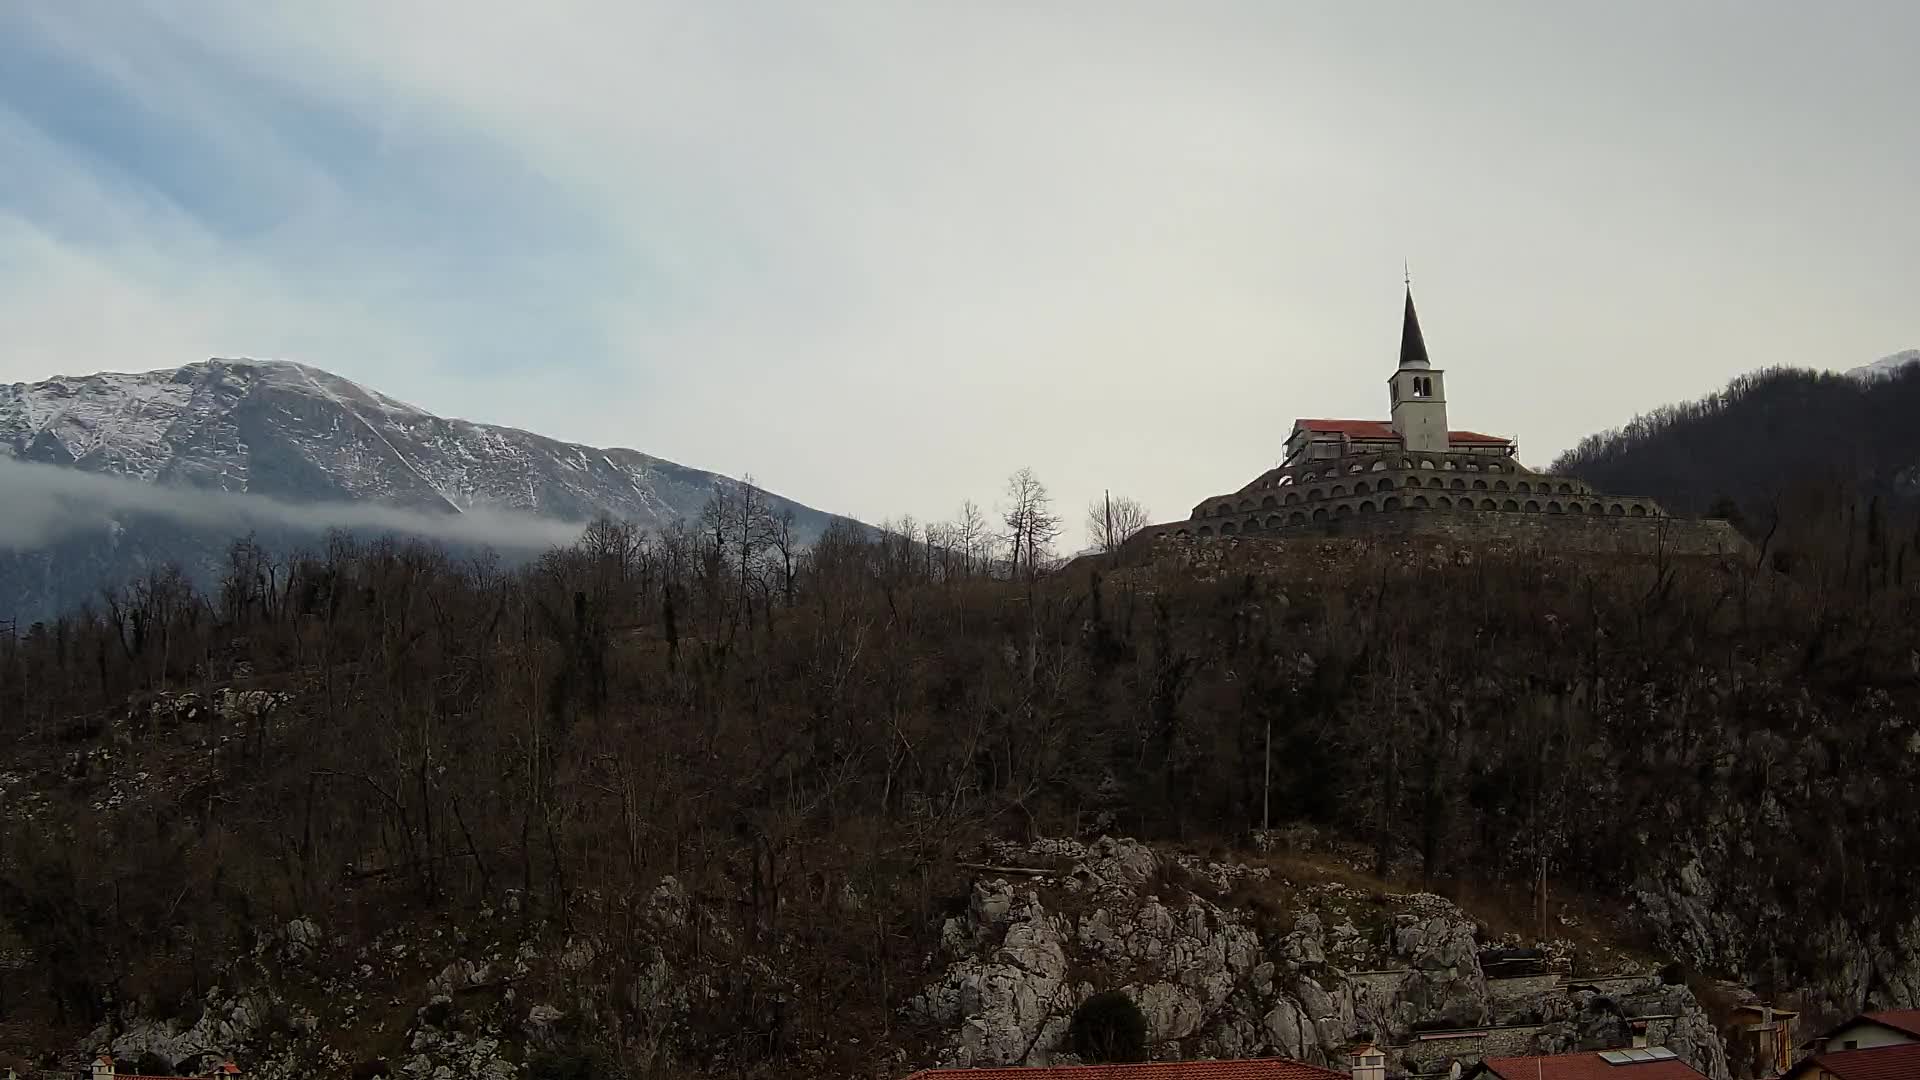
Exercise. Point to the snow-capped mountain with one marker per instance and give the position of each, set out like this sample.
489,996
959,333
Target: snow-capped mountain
1886,365
303,435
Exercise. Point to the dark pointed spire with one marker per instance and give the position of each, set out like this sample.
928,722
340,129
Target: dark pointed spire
1413,347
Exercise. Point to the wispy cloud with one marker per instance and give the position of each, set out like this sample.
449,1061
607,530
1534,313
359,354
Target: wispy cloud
46,504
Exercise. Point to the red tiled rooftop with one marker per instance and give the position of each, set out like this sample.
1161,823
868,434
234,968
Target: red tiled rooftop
1383,429
1907,1020
1359,429
1253,1069
1587,1065
1900,1062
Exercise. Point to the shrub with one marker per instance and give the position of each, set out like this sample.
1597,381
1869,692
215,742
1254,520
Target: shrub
1109,1027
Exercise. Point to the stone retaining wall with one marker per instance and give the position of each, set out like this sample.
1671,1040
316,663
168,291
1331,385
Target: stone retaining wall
1584,533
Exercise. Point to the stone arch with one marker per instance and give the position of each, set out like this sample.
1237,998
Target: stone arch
1338,490
1182,534
1442,502
1283,481
1392,503
1385,484
1274,521
1638,511
1366,507
1223,508
1499,485
1379,465
1509,505
1446,466
1298,517
1488,504
1426,463
1206,530
1228,528
1360,488
1479,485
1533,506
1566,489
1356,467
1246,504
1554,507
1320,514
1459,484
1290,498
1616,510
1252,525
1471,466
1496,468
1343,510
1269,503
1316,493
1521,485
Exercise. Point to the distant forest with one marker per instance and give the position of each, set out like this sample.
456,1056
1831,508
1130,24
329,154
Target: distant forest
1776,443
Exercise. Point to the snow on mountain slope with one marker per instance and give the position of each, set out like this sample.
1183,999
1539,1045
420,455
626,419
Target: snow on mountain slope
1886,365
303,435
285,429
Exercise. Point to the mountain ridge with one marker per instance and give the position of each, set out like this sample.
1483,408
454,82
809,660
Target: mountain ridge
1886,365
300,433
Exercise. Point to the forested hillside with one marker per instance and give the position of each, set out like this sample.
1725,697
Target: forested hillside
1783,442
269,788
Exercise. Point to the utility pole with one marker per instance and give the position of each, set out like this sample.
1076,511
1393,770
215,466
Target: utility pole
1106,538
1266,781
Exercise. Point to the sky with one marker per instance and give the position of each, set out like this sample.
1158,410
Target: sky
881,254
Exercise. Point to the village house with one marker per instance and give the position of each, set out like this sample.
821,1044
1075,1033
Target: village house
1872,1046
1891,1027
103,1068
1636,1063
1760,1038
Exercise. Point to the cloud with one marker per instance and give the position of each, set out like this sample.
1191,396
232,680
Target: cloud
47,503
882,254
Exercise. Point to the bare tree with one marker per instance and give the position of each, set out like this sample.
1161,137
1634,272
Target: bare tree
1032,526
971,538
1112,521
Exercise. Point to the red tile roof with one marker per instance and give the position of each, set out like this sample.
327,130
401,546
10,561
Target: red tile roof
1357,429
1907,1020
1900,1062
1254,1069
1588,1065
1383,429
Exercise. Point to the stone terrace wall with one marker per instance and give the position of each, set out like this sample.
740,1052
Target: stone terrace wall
1585,533
1676,536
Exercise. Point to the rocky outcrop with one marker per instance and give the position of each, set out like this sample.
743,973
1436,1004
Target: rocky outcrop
1213,980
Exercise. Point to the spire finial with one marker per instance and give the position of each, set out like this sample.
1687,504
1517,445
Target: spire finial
1407,271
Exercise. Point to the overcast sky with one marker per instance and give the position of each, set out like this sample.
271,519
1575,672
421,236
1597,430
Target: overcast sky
881,254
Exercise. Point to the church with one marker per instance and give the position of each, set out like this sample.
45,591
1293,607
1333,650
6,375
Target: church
1413,468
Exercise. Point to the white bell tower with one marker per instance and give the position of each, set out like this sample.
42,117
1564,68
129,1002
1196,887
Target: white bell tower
1418,390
